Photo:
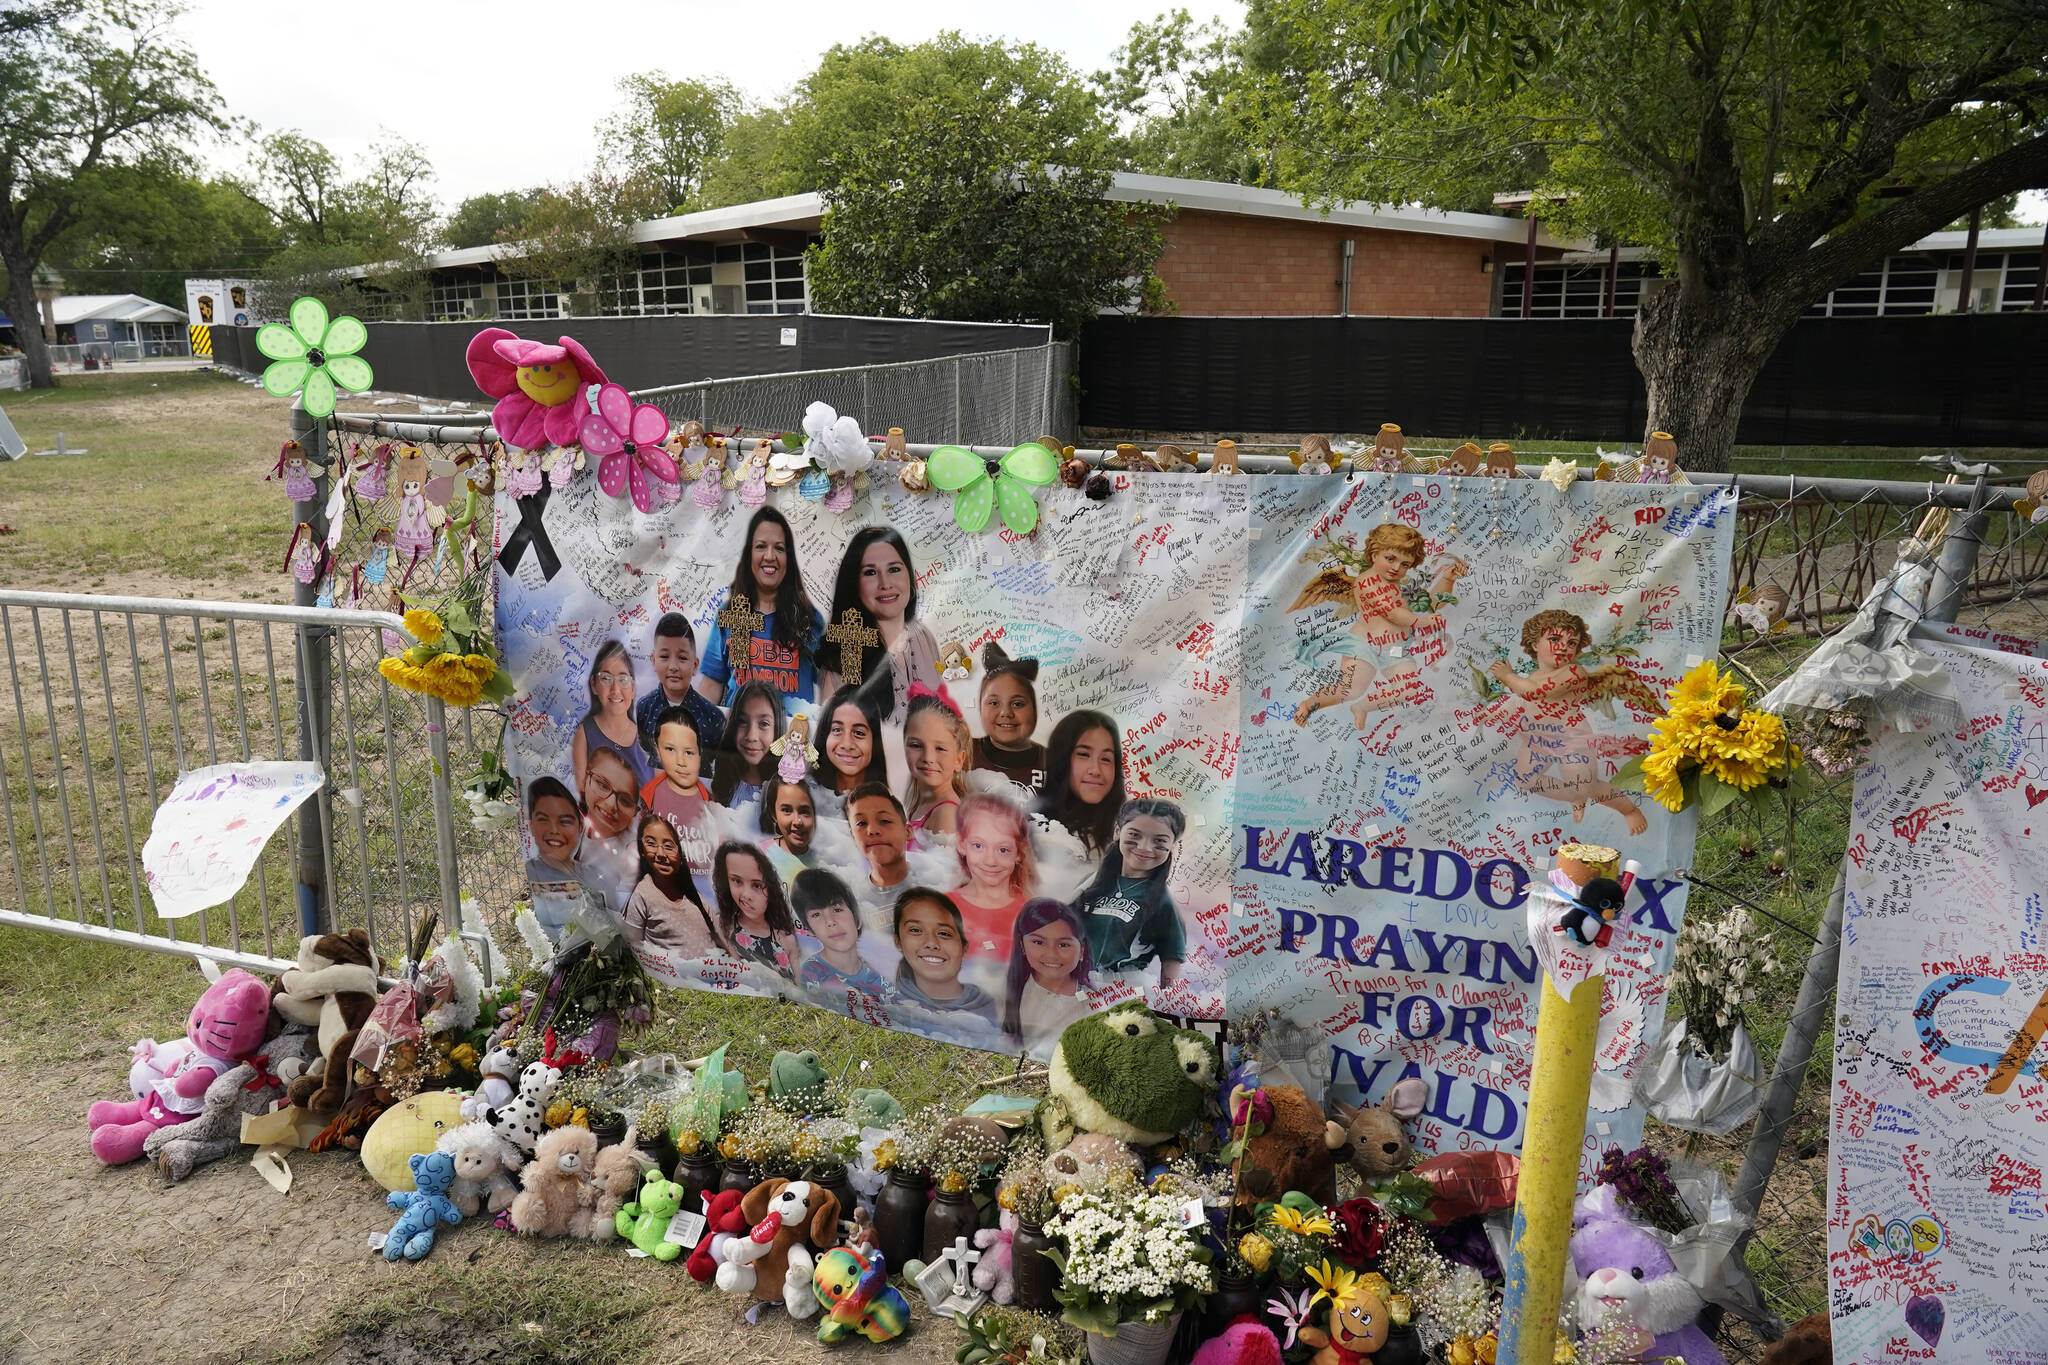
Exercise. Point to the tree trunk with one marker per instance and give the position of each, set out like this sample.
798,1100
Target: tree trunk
1699,353
22,310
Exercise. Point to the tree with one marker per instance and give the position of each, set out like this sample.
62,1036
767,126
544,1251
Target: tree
579,237
958,215
670,130
304,186
484,219
747,159
92,85
1766,150
872,89
393,199
144,229
1171,93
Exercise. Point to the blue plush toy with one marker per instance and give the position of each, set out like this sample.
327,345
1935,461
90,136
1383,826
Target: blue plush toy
412,1236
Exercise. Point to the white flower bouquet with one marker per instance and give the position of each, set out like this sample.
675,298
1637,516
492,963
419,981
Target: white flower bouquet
1126,1256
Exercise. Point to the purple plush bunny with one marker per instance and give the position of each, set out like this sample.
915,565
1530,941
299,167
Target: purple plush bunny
1627,1271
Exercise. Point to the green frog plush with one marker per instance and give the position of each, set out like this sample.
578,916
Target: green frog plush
644,1222
796,1079
1128,1073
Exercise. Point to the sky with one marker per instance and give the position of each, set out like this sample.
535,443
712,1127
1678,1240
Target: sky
506,95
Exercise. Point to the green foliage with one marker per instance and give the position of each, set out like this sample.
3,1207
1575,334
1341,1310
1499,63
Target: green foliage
578,234
484,219
91,85
969,211
670,130
746,164
1172,94
142,229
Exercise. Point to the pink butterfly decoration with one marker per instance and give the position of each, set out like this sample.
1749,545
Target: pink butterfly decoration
628,436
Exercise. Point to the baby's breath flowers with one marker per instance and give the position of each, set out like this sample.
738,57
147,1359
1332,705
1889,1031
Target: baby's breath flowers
1125,1256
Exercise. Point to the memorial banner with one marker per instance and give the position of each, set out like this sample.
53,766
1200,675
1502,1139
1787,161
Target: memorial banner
1937,1215
977,784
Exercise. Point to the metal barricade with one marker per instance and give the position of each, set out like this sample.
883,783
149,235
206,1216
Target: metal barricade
110,698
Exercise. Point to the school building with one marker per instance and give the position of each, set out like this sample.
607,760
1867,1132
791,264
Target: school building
1234,250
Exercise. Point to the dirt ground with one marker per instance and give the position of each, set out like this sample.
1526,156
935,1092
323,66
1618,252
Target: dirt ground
222,1268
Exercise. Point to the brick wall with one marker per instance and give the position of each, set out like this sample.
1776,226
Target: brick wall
1230,263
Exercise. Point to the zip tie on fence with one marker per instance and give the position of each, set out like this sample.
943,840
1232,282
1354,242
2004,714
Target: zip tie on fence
1704,884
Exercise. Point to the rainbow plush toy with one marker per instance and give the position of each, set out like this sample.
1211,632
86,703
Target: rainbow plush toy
857,1298
540,388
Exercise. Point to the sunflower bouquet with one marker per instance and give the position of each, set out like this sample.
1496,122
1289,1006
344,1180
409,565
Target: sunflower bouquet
452,657
1711,749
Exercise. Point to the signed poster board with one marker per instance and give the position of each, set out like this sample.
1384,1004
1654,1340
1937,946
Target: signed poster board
1937,1214
1219,742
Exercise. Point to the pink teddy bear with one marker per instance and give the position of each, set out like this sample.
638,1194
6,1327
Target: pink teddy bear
995,1275
170,1079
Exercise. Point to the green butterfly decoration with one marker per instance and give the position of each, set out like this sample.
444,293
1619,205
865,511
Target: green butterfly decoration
979,484
314,356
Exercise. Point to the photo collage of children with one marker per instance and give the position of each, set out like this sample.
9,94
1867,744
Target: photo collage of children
789,753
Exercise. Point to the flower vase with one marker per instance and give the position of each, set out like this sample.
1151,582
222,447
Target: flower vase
1032,1271
831,1178
1404,1347
697,1173
899,1217
610,1130
1235,1296
948,1218
1135,1343
663,1150
740,1175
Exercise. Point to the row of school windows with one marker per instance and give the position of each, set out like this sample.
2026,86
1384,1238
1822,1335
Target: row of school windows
728,277
1901,286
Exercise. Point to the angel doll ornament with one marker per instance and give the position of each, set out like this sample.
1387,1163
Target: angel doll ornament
754,475
796,750
419,485
291,467
373,476
709,492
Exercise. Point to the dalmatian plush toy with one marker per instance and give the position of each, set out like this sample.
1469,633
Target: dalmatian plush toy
519,1121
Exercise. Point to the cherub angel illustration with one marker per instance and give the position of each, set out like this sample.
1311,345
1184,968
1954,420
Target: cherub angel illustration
1556,756
1397,631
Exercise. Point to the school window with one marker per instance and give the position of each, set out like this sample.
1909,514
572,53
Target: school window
774,277
524,298
456,300
1574,289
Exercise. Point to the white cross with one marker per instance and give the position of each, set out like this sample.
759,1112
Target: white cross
964,1257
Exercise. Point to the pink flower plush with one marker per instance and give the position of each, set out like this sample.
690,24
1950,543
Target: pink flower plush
629,440
539,387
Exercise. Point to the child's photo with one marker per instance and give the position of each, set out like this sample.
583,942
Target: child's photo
1048,980
1129,914
825,909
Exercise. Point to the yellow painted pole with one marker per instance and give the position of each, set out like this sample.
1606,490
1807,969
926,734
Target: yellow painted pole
1560,1085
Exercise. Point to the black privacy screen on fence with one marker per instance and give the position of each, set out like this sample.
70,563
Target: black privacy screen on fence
1927,381
649,352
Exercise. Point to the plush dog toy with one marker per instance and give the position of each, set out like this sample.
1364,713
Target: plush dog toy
786,1218
333,990
723,1221
422,1207
857,1298
522,1120
1627,1271
248,1090
482,1180
170,1079
1373,1136
644,1222
500,1071
1127,1073
555,1186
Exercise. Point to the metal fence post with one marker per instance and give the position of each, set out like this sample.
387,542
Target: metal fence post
1958,561
313,690
1809,1013
445,852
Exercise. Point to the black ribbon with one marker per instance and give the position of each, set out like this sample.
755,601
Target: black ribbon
531,531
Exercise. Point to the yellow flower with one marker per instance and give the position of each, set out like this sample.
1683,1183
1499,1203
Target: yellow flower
423,625
1461,1352
481,666
1565,1354
464,1056
953,1182
729,1146
1006,1197
1256,1251
1065,1192
1660,777
885,1154
1485,1348
1293,1220
1377,1283
579,1118
557,1114
804,1146
1703,692
1332,1282
688,1141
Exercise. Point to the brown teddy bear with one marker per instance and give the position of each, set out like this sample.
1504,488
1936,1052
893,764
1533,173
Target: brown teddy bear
557,1185
614,1180
333,989
1373,1136
788,1219
1298,1150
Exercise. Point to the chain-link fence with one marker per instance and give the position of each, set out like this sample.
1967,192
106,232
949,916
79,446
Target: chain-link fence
988,398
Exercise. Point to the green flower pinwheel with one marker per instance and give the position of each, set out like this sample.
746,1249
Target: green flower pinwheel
313,357
979,484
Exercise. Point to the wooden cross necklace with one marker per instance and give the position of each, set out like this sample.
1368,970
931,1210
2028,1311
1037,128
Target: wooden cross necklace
740,621
851,634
